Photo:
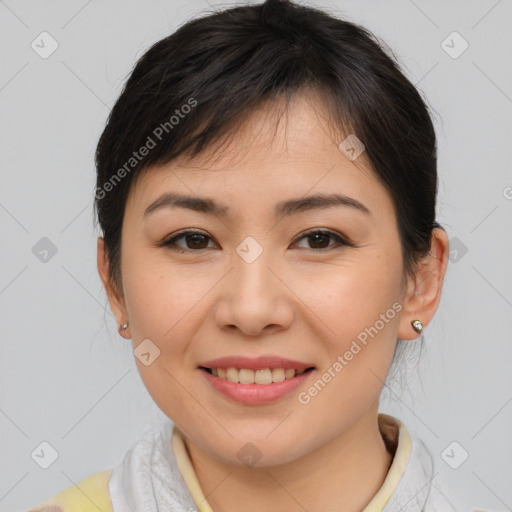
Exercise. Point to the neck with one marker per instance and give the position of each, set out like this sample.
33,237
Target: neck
342,475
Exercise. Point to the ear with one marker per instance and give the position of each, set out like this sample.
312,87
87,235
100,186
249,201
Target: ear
424,289
116,301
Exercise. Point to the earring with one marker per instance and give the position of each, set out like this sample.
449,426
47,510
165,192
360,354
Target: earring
417,325
122,328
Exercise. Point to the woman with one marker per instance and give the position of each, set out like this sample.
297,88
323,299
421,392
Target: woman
266,191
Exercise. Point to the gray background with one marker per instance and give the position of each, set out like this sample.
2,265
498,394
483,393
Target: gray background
69,379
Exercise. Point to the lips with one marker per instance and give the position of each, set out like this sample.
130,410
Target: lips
255,380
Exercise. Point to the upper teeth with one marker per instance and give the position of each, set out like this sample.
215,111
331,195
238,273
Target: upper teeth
264,376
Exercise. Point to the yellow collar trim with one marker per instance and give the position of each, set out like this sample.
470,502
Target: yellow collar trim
187,470
395,433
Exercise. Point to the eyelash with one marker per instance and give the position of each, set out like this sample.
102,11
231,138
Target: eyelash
341,241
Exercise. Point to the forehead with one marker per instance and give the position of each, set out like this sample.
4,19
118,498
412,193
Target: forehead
275,154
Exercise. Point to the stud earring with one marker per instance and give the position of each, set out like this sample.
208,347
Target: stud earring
122,328
417,325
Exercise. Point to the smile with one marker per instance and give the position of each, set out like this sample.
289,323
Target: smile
255,387
249,376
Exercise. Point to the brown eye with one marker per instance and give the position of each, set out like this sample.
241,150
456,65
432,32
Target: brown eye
319,239
194,240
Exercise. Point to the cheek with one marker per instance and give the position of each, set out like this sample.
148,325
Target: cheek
360,310
161,308
359,305
352,300
161,301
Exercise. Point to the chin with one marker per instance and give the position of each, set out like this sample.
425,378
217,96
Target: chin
246,451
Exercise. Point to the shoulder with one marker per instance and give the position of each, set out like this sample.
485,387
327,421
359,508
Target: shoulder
89,495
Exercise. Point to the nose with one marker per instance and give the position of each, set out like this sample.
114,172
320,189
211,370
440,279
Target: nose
254,298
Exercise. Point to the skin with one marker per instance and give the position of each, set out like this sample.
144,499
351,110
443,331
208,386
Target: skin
293,301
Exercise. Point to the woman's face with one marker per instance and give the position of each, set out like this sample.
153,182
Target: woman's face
254,285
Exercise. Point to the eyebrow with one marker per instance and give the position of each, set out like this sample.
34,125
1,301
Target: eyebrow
283,208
